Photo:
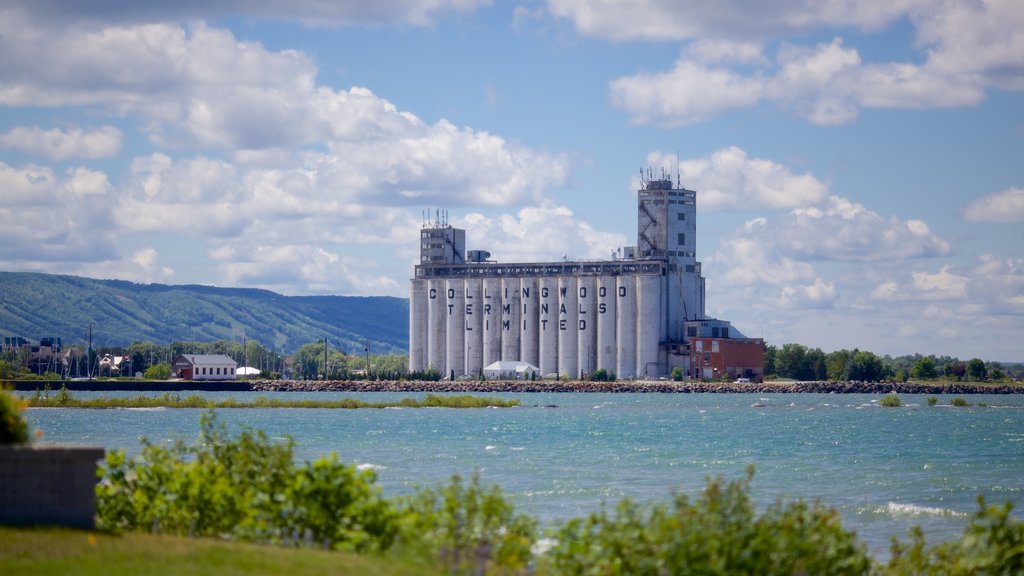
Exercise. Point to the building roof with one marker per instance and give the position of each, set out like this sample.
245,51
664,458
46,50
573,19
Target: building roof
195,359
512,366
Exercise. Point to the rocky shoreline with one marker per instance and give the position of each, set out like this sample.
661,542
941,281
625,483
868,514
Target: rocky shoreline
660,386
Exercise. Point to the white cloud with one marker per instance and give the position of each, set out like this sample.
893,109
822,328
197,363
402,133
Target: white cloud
675,20
728,179
965,48
58,144
826,84
1006,206
542,233
51,219
721,51
993,288
818,295
942,285
687,94
847,231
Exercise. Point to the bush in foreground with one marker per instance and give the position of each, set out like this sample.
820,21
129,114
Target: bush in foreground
13,426
719,532
248,488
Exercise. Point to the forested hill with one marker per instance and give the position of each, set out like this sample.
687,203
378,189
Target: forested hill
34,306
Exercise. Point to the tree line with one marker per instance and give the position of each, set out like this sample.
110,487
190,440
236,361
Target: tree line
799,362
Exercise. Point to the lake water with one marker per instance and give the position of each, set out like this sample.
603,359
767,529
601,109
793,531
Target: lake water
563,455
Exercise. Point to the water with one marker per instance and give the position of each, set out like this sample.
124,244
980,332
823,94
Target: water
563,455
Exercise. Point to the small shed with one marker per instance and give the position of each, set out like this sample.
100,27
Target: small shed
511,370
204,367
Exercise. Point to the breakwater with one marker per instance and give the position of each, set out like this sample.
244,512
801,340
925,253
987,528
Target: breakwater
631,386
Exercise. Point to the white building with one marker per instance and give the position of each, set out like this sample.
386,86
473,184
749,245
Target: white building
203,367
511,370
626,315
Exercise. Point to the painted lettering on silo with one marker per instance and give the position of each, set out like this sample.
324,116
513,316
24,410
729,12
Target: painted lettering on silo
529,340
474,327
491,320
547,325
568,315
606,307
586,341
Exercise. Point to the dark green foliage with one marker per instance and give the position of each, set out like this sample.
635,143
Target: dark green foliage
976,370
124,312
932,400
959,402
13,426
720,532
677,374
600,375
800,363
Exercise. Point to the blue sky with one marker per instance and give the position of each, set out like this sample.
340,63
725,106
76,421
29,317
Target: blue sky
858,164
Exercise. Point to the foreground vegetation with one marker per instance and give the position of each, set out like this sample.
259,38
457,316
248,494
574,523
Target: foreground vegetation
64,399
247,488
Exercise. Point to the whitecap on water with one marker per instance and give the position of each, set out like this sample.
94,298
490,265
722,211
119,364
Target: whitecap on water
370,466
901,509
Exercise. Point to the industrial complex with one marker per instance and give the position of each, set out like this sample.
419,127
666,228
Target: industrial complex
638,315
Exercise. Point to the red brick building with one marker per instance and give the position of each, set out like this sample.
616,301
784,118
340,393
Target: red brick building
713,358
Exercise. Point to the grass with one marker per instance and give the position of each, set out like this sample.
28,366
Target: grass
43,551
64,399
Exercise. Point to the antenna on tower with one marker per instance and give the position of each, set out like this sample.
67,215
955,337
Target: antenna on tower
679,182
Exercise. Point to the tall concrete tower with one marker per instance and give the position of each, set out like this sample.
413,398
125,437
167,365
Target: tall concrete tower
667,230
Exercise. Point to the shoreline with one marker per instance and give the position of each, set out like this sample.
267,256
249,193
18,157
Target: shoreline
540,386
633,386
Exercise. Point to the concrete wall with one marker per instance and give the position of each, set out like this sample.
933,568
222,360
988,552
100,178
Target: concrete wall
48,485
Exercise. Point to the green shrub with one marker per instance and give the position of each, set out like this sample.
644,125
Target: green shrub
932,400
161,371
677,374
720,532
890,401
599,375
959,402
13,426
468,528
244,487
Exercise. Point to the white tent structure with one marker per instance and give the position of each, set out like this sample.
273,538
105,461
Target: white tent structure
244,371
509,370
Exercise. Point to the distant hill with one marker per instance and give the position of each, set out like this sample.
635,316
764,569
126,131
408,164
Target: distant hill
34,306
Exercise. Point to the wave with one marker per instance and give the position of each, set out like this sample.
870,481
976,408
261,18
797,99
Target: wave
146,409
370,466
901,509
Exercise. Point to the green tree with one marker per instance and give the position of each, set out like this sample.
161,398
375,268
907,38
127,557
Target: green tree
837,365
976,370
161,371
924,369
770,352
866,366
790,361
677,373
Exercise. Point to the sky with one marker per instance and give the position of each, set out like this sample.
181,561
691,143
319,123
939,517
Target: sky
859,166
